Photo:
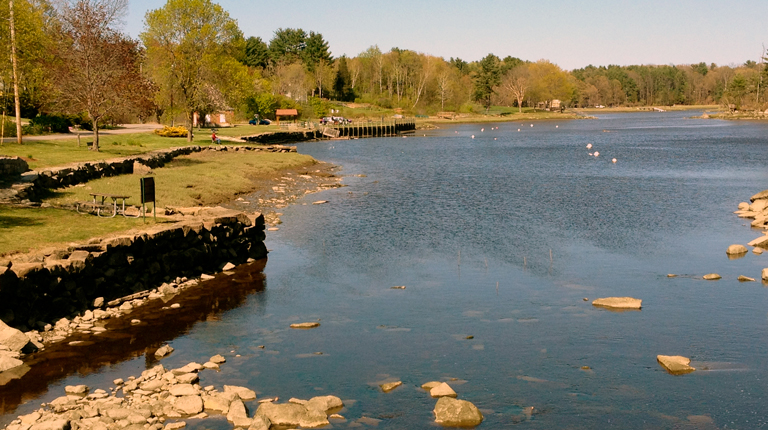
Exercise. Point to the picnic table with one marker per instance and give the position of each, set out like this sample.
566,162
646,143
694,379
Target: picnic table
100,204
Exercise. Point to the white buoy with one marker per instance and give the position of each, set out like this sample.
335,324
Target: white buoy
557,126
482,130
590,154
494,138
518,129
614,160
596,153
473,136
531,125
589,146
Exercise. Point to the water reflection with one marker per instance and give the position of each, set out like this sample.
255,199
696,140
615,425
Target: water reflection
123,341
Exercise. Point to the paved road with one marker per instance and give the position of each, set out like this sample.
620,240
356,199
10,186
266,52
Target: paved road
124,129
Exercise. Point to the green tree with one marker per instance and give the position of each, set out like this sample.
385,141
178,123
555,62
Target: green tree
192,50
341,84
315,51
256,53
487,78
287,45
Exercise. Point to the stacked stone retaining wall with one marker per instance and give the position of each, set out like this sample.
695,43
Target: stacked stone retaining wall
12,166
61,282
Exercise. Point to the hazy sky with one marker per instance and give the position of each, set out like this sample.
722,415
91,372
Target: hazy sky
571,34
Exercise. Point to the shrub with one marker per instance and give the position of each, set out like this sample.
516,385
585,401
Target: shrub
51,123
178,131
10,128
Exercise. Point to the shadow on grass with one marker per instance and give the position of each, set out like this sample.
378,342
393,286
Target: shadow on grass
185,162
10,221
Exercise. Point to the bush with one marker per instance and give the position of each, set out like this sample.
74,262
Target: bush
51,123
179,131
10,128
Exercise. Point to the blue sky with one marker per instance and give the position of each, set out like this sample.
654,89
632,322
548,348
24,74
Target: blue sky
571,34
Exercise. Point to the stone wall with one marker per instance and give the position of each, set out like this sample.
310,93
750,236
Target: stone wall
12,166
62,282
282,137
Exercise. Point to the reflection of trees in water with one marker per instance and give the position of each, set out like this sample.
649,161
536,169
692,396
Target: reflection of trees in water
123,341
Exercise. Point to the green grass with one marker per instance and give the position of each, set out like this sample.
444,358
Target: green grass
201,178
25,229
45,153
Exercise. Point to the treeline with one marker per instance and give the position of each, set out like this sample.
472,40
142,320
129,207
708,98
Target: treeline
193,58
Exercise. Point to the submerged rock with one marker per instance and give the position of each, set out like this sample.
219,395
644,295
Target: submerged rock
675,364
389,386
743,278
163,351
618,302
430,385
305,325
712,277
457,413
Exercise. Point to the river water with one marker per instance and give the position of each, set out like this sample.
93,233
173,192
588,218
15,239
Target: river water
499,238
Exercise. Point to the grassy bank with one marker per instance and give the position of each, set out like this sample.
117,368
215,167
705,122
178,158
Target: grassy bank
25,229
205,178
648,108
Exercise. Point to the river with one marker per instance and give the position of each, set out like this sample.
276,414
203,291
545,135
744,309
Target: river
498,239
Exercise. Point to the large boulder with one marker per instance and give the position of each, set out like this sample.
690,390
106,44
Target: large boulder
675,364
12,338
324,403
189,405
758,205
242,392
8,362
761,241
765,274
238,415
292,414
457,413
618,302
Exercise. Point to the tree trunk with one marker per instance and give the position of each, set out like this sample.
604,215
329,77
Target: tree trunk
519,105
95,146
189,126
15,74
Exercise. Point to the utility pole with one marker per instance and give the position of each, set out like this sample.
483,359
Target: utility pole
15,75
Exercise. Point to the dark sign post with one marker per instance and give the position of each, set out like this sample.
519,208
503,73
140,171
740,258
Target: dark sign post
148,195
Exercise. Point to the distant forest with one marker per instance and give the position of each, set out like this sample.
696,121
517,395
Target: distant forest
73,60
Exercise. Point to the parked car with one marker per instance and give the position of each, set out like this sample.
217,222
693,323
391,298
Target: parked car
257,121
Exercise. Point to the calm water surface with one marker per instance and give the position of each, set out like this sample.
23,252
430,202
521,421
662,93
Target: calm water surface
468,226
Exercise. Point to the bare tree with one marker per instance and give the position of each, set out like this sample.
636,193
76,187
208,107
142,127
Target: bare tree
15,76
96,65
517,81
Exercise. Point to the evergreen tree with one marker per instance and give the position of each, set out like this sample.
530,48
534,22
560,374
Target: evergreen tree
487,78
256,53
341,84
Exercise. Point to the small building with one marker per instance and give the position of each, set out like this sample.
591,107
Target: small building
223,118
290,113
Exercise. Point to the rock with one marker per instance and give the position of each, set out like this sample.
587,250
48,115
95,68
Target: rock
442,390
76,389
671,275
320,202
152,385
760,242
242,392
189,405
218,359
398,287
238,415
675,364
324,403
759,196
736,249
210,365
52,425
758,205
163,351
389,386
712,277
7,363
618,302
757,251
743,206
291,414
126,306
98,302
180,390
175,306
175,426
228,266
206,277
765,274
191,367
430,385
118,381
743,278
457,413
188,378
217,403
260,422
306,325
12,338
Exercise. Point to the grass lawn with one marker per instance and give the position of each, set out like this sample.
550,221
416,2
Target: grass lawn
25,229
202,178
45,153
